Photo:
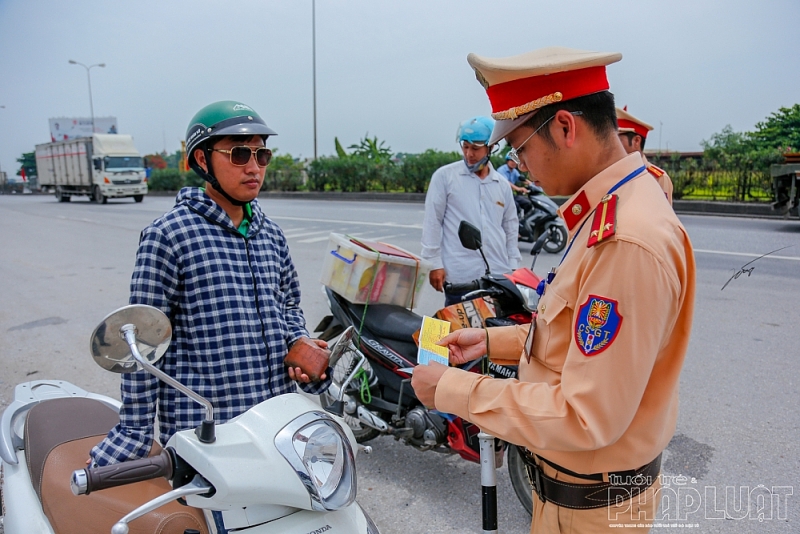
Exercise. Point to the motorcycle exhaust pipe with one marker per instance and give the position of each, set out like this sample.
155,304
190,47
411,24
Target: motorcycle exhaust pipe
372,420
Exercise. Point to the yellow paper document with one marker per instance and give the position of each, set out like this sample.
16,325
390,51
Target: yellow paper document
432,331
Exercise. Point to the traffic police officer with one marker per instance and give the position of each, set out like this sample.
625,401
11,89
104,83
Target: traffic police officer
597,397
633,134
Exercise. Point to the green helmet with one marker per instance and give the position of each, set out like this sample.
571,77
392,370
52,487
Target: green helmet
219,120
223,118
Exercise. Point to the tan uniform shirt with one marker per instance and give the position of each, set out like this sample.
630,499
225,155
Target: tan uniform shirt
663,179
615,408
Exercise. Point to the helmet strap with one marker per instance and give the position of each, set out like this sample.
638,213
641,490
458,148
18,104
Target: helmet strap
209,177
477,167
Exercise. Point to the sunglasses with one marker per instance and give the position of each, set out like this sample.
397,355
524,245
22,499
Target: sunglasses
240,155
513,154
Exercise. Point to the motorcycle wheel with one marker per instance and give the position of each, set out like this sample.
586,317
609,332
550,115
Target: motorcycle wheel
341,369
519,479
557,243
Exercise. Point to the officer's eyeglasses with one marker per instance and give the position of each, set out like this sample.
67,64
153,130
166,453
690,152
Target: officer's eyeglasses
240,155
514,152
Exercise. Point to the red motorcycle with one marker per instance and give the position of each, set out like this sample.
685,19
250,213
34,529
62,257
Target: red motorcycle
381,401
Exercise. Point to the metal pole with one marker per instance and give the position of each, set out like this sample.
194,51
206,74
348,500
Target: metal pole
660,127
314,66
2,176
91,105
488,483
89,79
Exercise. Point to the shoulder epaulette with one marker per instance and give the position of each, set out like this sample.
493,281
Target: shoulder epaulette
655,171
604,224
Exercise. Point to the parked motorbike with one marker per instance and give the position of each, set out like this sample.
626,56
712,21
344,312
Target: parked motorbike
381,400
542,218
284,466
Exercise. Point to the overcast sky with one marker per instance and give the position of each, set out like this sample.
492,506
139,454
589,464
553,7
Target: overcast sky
397,69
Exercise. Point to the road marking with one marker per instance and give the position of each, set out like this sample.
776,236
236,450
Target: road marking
314,239
318,239
315,232
746,254
78,219
339,221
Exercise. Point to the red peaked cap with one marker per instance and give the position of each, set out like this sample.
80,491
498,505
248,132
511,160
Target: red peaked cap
519,85
628,123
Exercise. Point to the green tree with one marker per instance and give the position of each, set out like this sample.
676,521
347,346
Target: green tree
283,174
340,151
27,162
372,149
416,169
779,131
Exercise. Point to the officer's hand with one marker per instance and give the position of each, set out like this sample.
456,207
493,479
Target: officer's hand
464,345
424,381
436,277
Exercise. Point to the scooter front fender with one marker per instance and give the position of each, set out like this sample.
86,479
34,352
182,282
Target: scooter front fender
351,520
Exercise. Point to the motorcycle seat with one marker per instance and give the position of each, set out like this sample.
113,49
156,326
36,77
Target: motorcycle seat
56,421
60,422
388,321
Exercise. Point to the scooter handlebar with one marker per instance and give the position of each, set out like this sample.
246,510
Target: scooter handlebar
85,481
462,288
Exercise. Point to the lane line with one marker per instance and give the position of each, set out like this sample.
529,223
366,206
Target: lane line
339,221
304,234
314,239
368,238
746,254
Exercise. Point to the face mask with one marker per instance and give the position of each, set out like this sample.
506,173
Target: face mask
477,167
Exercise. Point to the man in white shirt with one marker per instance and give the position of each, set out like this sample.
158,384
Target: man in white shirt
469,190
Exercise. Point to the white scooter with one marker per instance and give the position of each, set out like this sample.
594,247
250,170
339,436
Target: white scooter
284,466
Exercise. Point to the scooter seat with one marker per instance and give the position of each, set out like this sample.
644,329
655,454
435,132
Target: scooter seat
388,321
59,434
100,510
56,421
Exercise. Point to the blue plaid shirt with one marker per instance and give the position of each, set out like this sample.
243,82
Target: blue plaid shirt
234,304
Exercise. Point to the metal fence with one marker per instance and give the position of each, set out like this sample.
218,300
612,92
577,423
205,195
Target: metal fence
698,179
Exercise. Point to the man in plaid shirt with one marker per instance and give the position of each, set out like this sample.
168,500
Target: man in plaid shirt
221,271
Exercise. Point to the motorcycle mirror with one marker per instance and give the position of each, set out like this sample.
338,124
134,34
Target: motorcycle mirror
539,244
470,236
146,331
109,348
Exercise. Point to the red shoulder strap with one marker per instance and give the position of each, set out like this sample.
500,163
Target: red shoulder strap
655,171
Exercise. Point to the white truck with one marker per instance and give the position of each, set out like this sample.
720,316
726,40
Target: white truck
101,166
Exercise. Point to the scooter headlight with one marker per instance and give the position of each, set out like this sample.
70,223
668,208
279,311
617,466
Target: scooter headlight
318,449
530,299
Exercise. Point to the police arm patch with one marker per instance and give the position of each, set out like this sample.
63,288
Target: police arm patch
597,325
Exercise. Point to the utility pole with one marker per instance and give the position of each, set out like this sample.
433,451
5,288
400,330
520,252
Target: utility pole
2,176
314,66
660,127
89,78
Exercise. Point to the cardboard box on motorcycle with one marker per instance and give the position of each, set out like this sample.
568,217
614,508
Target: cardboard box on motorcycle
468,314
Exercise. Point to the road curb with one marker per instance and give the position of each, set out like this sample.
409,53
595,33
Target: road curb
689,207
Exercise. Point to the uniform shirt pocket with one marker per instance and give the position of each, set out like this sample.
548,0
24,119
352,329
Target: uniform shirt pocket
551,339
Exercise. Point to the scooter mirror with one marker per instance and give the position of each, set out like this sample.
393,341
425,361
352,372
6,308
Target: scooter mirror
153,334
470,236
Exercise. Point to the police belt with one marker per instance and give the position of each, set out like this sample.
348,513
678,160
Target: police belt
621,485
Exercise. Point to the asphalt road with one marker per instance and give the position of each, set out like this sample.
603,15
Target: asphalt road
65,266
